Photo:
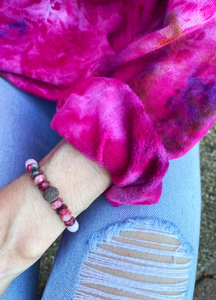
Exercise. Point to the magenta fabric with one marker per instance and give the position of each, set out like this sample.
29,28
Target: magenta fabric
134,81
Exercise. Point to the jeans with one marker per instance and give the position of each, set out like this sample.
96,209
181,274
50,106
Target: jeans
100,241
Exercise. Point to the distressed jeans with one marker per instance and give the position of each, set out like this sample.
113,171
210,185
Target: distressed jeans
126,252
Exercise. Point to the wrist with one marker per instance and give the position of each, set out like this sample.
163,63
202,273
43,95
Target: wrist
79,180
29,224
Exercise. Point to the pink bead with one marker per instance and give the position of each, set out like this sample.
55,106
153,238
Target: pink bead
32,167
67,216
58,203
38,179
70,222
30,161
74,227
62,210
43,185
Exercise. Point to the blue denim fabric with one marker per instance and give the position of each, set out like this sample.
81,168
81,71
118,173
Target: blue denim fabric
25,133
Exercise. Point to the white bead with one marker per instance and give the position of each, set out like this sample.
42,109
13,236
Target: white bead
74,227
30,161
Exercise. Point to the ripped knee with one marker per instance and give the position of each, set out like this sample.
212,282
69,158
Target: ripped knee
136,260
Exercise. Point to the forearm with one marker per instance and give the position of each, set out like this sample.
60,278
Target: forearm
29,224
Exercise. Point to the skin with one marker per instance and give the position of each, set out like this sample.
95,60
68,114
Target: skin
29,224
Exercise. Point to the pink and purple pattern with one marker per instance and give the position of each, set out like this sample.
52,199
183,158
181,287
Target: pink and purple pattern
57,203
31,167
70,222
43,185
134,81
62,209
38,179
66,216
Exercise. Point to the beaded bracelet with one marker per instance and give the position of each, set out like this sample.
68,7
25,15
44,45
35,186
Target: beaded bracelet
51,194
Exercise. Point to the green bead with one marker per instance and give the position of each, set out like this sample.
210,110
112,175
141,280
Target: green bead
35,168
34,173
31,167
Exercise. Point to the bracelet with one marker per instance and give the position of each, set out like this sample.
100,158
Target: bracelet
51,194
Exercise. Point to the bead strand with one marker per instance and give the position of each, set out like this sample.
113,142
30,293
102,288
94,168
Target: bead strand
51,194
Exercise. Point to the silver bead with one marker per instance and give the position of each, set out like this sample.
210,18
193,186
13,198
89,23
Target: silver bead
51,194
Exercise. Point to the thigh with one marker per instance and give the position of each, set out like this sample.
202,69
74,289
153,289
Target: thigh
25,132
135,252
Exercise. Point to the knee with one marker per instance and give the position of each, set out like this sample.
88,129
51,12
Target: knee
138,262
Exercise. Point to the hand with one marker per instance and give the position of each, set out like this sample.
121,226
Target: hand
28,223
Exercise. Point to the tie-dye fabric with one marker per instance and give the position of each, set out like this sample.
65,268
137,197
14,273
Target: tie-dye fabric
134,81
